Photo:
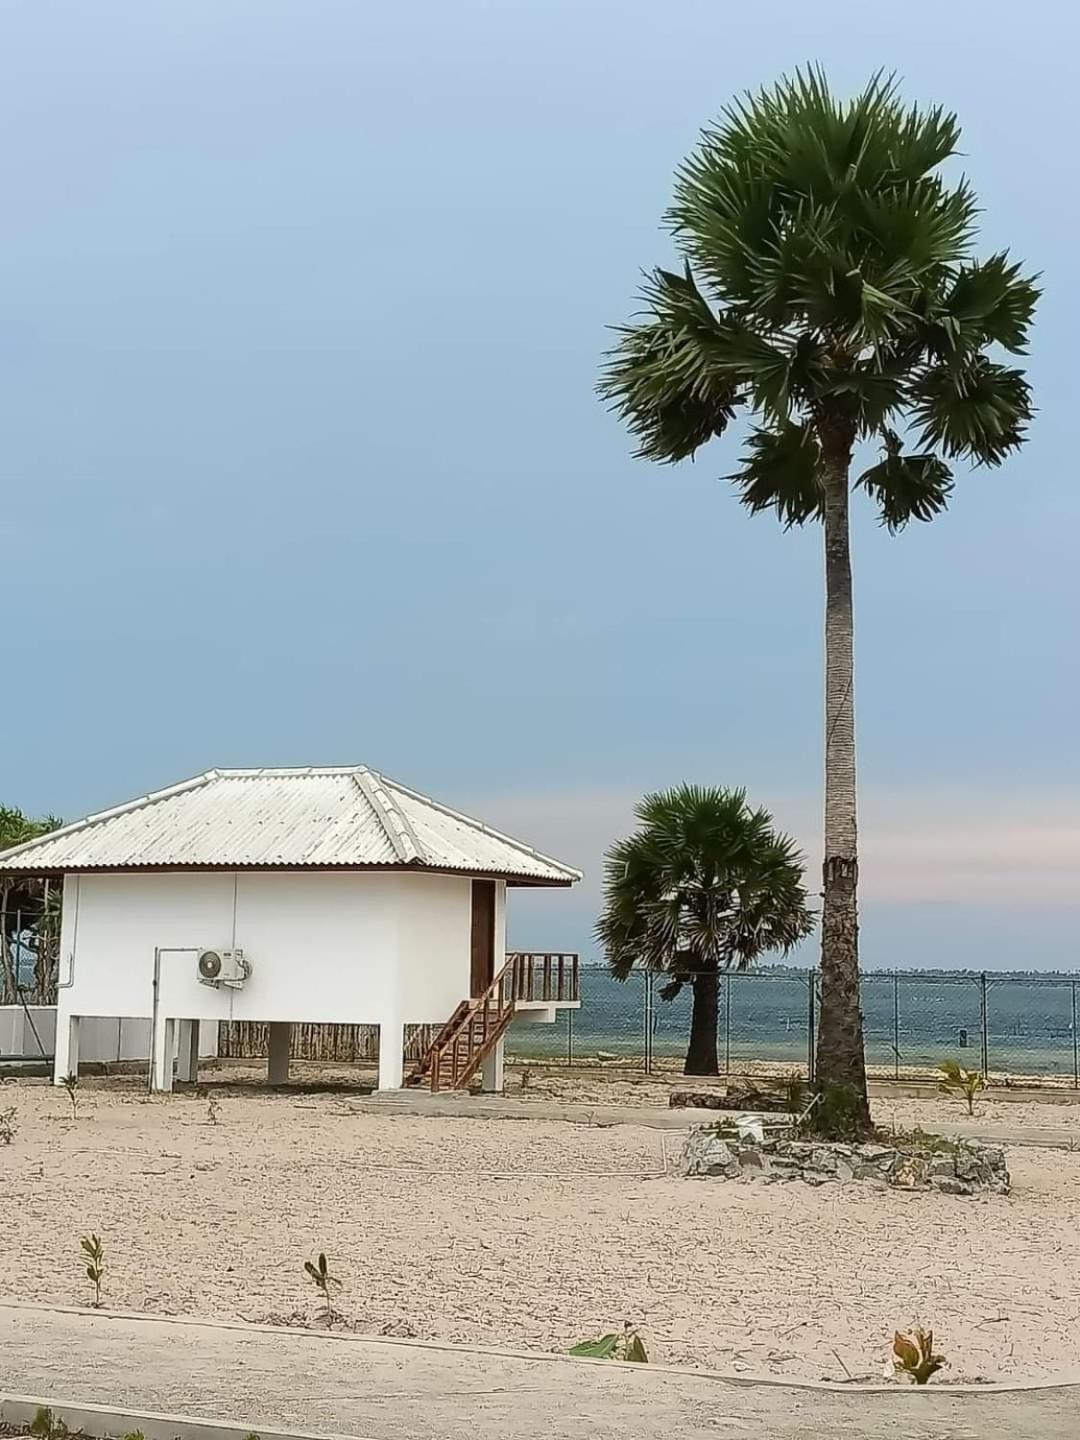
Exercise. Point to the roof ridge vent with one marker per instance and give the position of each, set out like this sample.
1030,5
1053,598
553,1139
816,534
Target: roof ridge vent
398,830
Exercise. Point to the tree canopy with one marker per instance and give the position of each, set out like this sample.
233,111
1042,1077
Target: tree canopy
828,289
705,882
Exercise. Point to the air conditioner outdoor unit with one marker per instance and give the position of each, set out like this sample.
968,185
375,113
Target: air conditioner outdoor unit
223,967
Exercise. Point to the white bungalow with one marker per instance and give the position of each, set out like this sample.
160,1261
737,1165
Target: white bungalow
316,895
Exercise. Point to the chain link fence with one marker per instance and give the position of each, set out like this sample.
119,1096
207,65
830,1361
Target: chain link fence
1013,1028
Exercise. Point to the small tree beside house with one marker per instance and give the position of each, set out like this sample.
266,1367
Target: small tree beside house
706,884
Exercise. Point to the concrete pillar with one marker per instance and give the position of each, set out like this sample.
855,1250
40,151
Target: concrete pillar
163,1047
66,1061
187,1057
491,1069
277,1054
391,1055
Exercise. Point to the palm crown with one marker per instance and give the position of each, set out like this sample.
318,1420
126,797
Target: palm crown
704,883
828,288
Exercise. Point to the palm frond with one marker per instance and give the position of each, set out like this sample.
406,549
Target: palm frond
907,487
656,380
976,410
781,471
991,302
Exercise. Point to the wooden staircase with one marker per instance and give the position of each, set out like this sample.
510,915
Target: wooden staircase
477,1025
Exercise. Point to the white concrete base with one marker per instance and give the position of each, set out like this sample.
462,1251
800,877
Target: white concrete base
391,1055
161,1076
102,1038
66,1061
491,1071
30,1032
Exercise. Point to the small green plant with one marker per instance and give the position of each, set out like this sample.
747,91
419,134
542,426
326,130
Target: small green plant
213,1110
624,1344
94,1255
46,1426
915,1355
134,1435
8,1127
526,1077
957,1081
322,1280
71,1085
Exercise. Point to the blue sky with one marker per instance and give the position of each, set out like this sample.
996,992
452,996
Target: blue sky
301,307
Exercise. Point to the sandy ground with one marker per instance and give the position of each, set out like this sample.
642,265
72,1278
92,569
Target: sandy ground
1003,1112
531,1234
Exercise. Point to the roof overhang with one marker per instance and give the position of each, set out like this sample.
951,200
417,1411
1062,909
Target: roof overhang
515,881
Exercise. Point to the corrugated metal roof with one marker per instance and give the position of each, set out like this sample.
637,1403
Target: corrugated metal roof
349,817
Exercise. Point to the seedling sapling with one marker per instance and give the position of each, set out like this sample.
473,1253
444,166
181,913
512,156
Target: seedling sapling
322,1280
94,1255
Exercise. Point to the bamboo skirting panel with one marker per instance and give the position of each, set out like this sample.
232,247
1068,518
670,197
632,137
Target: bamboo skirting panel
249,1040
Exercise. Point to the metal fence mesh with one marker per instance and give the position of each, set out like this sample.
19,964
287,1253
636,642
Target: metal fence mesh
1012,1028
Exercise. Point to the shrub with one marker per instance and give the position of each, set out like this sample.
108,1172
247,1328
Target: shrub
915,1355
8,1127
46,1426
838,1115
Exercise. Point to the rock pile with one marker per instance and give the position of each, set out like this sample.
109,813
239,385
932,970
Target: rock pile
960,1168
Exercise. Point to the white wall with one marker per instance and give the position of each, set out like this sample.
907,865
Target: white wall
434,934
324,946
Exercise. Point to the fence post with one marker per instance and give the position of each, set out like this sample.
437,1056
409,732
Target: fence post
727,1022
1076,1050
811,1024
646,1023
896,1024
982,1018
569,1037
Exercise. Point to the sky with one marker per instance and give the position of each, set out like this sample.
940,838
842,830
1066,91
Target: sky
302,304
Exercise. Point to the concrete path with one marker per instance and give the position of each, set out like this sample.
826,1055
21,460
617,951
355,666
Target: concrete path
385,1390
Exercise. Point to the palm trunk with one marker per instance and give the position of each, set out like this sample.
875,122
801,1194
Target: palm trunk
840,1057
701,1055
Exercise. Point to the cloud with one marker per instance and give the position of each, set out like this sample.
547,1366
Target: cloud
921,844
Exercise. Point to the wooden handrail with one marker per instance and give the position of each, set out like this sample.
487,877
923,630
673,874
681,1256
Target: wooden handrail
547,976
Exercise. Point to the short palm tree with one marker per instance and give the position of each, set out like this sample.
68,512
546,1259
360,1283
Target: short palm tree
705,884
829,292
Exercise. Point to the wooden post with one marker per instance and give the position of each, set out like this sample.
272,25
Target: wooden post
279,1044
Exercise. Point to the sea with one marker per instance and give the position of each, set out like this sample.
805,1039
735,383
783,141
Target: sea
1019,1024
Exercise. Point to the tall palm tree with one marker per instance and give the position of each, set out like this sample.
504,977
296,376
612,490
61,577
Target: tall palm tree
706,884
829,290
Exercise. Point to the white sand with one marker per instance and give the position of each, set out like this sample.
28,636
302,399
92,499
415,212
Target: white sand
1049,1107
530,1233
